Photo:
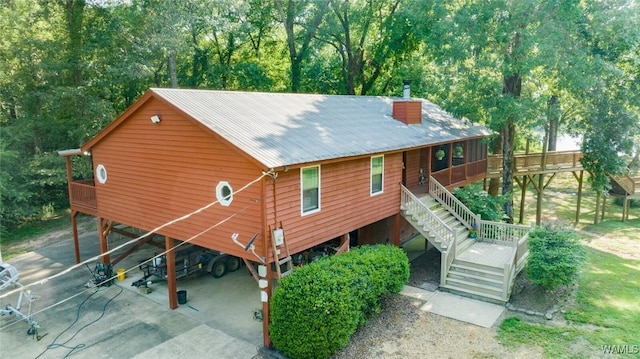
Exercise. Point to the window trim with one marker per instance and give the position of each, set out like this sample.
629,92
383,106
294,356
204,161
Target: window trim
371,192
314,210
222,199
101,173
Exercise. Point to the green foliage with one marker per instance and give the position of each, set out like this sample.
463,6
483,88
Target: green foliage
316,309
633,203
556,256
607,300
480,202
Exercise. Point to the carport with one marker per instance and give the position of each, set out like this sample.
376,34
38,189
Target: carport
230,303
121,321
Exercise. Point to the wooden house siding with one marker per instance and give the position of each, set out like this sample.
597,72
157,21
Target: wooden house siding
159,172
412,168
345,201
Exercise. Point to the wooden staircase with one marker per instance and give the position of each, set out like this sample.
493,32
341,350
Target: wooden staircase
416,216
479,269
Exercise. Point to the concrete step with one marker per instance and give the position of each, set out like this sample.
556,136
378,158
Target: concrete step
492,298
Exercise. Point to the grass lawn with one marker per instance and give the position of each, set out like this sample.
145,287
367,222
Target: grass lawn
607,308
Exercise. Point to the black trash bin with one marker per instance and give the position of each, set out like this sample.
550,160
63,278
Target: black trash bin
182,297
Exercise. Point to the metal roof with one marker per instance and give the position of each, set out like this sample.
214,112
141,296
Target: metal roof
279,129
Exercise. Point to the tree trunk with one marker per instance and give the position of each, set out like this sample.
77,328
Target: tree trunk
494,183
512,85
171,66
541,176
508,137
310,28
75,19
553,116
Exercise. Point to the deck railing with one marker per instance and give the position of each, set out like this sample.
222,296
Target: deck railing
83,194
426,218
533,161
502,233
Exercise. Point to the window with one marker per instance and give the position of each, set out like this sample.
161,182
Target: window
377,171
310,186
224,193
101,174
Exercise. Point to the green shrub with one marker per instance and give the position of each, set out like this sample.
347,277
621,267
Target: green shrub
633,203
316,309
555,256
480,202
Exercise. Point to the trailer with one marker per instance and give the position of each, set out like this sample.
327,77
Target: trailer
9,279
189,260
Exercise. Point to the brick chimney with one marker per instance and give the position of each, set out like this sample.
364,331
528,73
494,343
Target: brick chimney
407,111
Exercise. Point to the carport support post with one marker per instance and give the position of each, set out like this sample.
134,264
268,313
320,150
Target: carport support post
395,228
74,229
102,235
171,273
265,307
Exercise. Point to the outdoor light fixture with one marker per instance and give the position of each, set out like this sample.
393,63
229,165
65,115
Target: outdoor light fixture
155,119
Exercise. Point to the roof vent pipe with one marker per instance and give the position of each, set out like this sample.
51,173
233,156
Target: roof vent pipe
406,89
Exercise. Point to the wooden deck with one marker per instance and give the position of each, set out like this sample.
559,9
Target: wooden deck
488,254
530,164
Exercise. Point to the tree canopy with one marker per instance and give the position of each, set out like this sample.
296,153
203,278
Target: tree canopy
70,66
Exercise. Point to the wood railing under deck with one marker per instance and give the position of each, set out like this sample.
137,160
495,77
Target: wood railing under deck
82,196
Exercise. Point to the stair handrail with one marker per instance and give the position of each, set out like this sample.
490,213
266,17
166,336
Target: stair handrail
458,209
446,261
443,232
626,182
509,274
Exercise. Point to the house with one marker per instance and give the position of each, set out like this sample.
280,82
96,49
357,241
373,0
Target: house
285,171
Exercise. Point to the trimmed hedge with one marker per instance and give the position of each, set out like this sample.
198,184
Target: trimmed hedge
316,309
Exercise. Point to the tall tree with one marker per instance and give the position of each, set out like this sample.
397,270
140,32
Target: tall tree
499,61
301,19
370,37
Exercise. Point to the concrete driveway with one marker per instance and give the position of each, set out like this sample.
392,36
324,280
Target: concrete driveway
120,322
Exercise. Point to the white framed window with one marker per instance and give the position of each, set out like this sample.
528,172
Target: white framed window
377,174
224,193
101,174
310,189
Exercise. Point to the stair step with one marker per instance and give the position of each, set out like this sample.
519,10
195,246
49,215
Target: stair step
463,244
480,279
475,287
284,260
473,267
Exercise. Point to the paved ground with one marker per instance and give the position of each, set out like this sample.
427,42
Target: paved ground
120,322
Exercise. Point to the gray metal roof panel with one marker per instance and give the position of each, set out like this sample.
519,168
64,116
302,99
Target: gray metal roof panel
279,129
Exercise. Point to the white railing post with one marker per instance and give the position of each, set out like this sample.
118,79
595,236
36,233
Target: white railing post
507,280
